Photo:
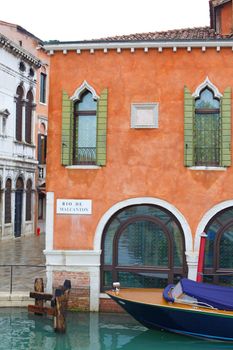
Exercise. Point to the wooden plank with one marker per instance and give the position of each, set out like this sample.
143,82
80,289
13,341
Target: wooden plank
41,310
41,296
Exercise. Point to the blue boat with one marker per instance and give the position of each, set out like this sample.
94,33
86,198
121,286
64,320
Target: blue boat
195,309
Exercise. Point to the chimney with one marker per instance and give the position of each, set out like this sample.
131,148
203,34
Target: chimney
221,16
231,16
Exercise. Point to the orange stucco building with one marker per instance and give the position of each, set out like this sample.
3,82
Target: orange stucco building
139,158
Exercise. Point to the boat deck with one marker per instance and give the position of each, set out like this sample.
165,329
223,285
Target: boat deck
155,297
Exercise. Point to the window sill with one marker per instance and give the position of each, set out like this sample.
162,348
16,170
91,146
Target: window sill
83,167
208,168
25,144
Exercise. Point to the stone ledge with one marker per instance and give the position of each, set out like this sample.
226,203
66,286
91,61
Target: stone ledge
19,299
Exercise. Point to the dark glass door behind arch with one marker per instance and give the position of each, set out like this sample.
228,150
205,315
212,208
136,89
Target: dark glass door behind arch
218,267
142,246
18,212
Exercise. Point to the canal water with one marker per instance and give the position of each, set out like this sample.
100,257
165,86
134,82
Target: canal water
89,331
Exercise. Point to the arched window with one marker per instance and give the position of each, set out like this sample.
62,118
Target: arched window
218,266
29,200
19,113
142,246
28,118
207,129
8,201
85,125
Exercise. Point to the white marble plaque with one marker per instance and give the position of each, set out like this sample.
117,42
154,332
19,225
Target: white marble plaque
74,206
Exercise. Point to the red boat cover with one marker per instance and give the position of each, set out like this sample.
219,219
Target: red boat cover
217,296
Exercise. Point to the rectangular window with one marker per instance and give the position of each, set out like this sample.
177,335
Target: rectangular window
86,140
43,78
207,139
42,148
41,207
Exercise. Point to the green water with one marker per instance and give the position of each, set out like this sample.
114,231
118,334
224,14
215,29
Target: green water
89,331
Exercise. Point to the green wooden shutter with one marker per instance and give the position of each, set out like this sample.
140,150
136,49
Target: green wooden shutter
226,128
67,129
188,128
102,108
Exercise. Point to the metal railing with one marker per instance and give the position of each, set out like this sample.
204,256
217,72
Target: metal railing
16,276
207,156
85,155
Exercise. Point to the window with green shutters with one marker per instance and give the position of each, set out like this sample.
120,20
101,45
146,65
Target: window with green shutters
84,128
207,128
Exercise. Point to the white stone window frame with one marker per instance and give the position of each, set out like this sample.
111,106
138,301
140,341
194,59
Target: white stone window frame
4,114
152,107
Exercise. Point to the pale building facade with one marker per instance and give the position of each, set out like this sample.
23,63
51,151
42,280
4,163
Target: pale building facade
23,130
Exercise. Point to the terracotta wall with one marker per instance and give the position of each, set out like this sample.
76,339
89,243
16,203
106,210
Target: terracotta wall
226,18
143,162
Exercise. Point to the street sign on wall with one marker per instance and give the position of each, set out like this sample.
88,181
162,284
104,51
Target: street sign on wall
74,206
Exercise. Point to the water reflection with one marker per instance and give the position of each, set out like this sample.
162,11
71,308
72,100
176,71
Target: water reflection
89,331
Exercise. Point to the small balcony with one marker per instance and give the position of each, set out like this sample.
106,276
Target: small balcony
42,172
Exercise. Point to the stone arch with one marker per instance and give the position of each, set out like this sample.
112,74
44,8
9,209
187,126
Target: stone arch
18,176
43,128
210,85
143,200
206,218
81,89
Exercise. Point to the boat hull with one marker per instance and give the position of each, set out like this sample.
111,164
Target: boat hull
188,321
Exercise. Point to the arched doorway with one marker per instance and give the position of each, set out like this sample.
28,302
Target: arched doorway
18,207
142,246
218,267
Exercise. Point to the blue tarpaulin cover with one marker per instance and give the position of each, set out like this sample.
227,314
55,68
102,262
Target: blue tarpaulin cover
216,296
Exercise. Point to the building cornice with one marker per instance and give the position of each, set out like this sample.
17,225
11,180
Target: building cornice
132,45
18,51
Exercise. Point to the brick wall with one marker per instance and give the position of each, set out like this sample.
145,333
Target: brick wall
108,305
80,288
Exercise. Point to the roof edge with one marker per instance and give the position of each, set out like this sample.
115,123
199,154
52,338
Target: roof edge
216,3
71,46
17,50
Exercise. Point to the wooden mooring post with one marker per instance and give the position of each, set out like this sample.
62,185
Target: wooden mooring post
59,303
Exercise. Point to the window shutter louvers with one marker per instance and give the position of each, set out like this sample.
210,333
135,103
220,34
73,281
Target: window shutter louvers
102,128
67,129
188,128
226,128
